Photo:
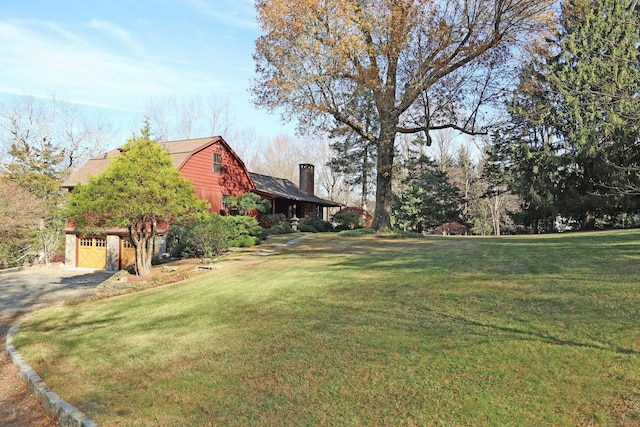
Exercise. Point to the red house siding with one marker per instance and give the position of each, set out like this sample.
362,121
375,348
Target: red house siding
232,180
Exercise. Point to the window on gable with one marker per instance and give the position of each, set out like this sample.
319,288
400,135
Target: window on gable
217,162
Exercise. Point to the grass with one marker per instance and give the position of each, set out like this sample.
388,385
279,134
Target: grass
522,330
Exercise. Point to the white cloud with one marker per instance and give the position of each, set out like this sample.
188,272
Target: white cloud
236,13
119,60
116,32
38,62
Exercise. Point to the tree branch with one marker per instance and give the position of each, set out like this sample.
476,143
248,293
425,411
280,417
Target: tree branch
426,129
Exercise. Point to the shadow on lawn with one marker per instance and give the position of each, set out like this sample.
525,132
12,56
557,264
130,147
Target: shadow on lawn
542,336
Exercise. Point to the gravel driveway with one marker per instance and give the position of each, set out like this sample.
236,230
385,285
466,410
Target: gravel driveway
32,288
21,292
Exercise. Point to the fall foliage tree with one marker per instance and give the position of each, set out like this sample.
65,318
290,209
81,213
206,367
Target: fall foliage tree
424,64
139,191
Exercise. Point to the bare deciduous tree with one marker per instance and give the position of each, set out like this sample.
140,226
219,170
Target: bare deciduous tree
281,158
21,216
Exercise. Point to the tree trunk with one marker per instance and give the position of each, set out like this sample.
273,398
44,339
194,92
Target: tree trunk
143,240
384,195
495,212
365,173
588,221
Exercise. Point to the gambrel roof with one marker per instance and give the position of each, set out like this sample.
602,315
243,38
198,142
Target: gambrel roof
179,151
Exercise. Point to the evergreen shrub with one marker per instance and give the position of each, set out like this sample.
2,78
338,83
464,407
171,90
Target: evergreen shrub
357,232
244,241
281,229
314,224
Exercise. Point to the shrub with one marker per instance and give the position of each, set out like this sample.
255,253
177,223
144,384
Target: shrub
10,255
268,221
156,259
348,219
357,232
450,229
244,241
179,241
306,228
244,225
211,236
281,229
313,223
367,218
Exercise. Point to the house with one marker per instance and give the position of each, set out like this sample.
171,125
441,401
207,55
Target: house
286,198
216,171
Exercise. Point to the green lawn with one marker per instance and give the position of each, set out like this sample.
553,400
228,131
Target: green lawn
522,330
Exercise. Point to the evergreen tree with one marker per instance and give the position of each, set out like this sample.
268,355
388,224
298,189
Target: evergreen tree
522,159
427,199
139,190
596,78
354,156
575,116
21,216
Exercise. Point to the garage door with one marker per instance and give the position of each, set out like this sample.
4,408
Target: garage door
92,253
127,253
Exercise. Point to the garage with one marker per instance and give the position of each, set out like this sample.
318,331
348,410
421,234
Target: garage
92,252
127,253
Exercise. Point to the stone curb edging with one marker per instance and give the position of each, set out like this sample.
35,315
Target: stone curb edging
67,414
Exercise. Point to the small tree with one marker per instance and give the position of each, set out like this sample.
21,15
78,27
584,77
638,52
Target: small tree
248,202
428,199
211,236
348,220
139,191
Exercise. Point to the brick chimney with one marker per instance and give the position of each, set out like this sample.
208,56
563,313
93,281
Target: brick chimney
306,178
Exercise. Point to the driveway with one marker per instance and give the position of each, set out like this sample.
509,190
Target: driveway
21,292
32,288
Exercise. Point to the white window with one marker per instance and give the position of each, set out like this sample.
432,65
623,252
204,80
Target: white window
217,162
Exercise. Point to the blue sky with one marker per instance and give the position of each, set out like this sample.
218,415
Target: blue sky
113,56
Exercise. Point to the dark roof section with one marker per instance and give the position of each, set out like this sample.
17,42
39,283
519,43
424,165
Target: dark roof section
283,188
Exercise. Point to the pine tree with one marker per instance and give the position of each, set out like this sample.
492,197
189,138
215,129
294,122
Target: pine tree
575,117
596,78
427,199
139,191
